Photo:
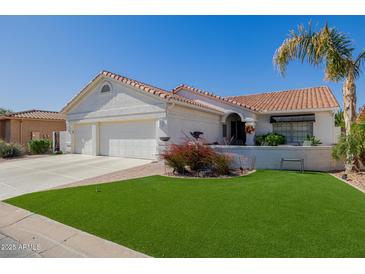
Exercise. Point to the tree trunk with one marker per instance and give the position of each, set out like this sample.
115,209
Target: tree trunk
349,113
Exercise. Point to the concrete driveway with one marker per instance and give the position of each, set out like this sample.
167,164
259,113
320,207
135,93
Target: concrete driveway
30,175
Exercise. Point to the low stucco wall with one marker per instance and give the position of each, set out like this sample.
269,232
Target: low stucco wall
316,158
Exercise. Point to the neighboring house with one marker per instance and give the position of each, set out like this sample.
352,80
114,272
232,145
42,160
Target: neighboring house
20,127
118,116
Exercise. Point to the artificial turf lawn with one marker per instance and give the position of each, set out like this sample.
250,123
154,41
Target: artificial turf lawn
266,214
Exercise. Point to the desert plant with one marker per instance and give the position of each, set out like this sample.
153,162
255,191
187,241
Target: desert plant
270,139
222,163
41,146
353,143
339,120
334,50
10,150
194,157
175,157
313,140
199,156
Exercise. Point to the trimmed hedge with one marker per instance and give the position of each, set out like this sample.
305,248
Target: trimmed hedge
41,146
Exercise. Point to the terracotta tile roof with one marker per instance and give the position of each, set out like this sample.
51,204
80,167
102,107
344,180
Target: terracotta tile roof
37,114
307,98
211,95
296,99
142,86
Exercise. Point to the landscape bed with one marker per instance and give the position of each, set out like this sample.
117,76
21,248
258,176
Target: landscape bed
265,214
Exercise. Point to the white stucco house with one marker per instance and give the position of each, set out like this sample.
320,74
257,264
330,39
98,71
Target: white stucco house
118,116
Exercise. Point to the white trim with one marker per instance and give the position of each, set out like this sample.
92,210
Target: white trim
304,110
133,117
196,107
220,100
77,98
96,81
243,118
94,84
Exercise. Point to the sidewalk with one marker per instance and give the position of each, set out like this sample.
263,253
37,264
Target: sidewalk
25,234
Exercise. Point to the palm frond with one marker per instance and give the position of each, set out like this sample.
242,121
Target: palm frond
296,46
326,46
359,63
338,50
360,59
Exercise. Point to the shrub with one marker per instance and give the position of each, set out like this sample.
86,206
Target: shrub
195,157
314,141
199,156
41,146
222,163
2,143
353,143
10,150
270,139
175,158
260,139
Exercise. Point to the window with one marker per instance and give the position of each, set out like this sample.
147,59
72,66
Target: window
294,132
105,88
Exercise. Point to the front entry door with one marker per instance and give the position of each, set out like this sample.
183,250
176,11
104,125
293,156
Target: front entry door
238,132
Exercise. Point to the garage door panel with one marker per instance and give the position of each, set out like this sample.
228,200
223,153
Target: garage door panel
83,139
132,139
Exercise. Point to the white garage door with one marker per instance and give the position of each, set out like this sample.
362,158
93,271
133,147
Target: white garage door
128,139
83,139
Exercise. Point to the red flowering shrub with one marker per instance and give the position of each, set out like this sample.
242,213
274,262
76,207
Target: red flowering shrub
196,157
175,158
222,163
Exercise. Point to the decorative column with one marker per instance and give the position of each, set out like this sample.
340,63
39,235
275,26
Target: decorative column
250,125
70,141
95,139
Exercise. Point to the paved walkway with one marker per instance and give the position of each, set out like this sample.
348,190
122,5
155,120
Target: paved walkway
155,168
25,234
25,176
22,158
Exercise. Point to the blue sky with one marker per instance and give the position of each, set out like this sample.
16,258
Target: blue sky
45,61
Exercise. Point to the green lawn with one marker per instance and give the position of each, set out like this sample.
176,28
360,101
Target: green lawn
266,214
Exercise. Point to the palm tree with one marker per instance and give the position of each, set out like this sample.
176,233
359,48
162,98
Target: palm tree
339,120
334,50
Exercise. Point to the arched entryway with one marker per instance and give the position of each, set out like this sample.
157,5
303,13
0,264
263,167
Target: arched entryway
234,129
